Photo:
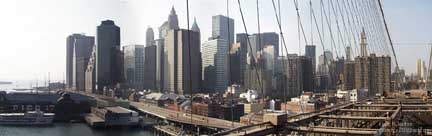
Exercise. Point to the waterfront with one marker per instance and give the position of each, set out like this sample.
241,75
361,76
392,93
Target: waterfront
70,129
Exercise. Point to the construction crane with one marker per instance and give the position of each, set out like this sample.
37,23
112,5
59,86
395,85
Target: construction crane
429,62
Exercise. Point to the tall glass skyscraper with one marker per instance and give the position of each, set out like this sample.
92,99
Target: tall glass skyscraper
223,28
134,65
109,57
215,65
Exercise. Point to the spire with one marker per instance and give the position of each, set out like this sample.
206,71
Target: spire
173,20
173,12
195,27
149,36
363,43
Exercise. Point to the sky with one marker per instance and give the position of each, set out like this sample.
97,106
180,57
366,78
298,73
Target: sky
33,32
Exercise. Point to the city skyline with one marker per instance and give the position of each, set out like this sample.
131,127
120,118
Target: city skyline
47,49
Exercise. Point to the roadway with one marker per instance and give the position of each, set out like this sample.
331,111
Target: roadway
175,116
185,118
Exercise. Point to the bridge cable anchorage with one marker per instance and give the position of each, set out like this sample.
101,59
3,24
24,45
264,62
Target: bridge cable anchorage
249,43
190,63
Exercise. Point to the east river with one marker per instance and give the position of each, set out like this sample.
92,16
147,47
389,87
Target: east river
70,129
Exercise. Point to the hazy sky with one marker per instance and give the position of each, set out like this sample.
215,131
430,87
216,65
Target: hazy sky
33,32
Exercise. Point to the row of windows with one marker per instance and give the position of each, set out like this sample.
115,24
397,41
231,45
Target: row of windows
32,107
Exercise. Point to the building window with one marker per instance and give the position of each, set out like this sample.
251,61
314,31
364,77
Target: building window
37,107
29,107
15,107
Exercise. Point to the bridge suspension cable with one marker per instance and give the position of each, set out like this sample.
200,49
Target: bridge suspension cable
249,44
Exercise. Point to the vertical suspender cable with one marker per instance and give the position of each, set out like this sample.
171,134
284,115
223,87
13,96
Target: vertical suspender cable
190,61
249,42
229,62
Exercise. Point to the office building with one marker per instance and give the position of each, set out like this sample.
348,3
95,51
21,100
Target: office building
421,70
150,71
149,37
269,57
215,65
109,57
235,65
348,53
83,46
223,28
183,61
363,44
259,41
160,54
348,75
241,42
70,49
170,24
372,72
90,73
307,74
134,58
311,53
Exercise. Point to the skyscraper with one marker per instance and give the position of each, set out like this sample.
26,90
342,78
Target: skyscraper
421,70
70,41
372,72
215,65
236,71
269,57
348,53
223,28
134,57
259,41
149,37
109,56
150,71
170,24
82,52
90,74
183,61
242,44
363,44
348,75
159,43
294,75
311,53
195,27
307,77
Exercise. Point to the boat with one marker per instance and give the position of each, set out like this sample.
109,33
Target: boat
29,118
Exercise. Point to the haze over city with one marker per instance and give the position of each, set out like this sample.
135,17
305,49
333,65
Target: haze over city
34,31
